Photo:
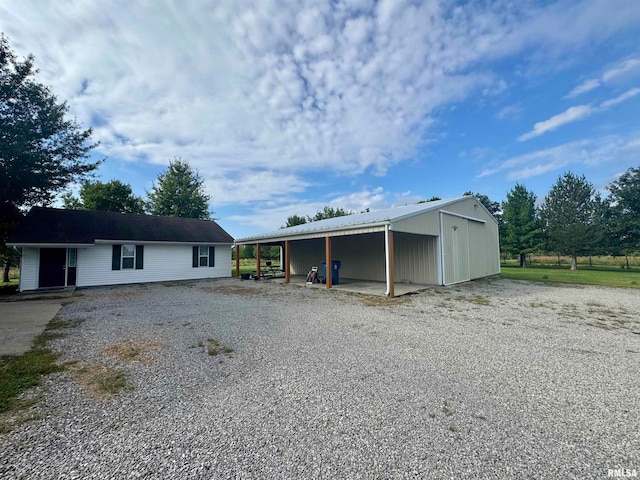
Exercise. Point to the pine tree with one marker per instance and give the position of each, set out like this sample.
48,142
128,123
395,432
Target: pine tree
179,192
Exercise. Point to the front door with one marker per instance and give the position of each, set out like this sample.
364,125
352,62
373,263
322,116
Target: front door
52,267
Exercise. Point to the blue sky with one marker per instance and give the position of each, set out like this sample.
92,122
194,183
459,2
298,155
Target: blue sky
286,106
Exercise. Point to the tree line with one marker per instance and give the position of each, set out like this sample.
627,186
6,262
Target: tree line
573,219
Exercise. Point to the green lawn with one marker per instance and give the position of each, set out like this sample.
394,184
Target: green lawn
248,266
8,289
607,277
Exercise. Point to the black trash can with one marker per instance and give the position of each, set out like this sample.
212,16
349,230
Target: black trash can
335,268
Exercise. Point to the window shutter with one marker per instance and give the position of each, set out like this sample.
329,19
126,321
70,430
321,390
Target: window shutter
115,257
195,257
139,257
212,257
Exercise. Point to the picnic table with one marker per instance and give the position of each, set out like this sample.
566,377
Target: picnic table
264,269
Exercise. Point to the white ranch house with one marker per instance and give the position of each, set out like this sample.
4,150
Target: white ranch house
61,248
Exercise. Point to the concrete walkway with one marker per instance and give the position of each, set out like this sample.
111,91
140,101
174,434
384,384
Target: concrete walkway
21,322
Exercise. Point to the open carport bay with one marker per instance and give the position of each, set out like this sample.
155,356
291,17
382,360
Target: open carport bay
489,379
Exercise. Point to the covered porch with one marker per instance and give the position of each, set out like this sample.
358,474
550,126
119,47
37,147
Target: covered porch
375,260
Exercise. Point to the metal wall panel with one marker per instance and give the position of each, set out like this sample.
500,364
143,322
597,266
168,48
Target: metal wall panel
456,249
470,208
415,258
484,250
363,257
306,254
427,223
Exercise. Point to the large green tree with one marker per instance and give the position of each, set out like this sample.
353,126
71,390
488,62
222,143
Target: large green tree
625,206
113,196
329,212
294,220
520,227
179,192
42,150
567,216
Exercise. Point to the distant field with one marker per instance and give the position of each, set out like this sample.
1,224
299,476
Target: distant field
598,275
565,261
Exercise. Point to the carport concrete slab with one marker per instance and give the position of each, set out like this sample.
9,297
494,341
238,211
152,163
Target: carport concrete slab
21,322
362,286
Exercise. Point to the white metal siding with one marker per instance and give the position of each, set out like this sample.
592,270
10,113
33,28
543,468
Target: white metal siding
161,263
470,208
427,223
456,249
29,264
306,254
415,258
362,256
484,253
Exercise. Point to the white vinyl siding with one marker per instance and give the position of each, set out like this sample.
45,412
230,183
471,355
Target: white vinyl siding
29,267
161,263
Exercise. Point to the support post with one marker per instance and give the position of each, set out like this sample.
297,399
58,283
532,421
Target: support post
287,262
238,261
392,267
258,273
327,243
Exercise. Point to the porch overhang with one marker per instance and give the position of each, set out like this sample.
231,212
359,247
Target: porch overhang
273,237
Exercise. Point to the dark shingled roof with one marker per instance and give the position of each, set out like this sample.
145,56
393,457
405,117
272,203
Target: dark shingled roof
57,226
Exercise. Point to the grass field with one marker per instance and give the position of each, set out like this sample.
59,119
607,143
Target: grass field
248,265
9,288
597,275
605,261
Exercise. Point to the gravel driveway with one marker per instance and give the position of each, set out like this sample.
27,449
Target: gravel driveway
492,379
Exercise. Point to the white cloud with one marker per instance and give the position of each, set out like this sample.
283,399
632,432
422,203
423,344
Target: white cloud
596,151
626,68
510,111
621,98
584,87
572,114
284,88
630,65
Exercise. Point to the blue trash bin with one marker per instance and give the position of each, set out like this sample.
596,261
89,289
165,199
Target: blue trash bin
335,268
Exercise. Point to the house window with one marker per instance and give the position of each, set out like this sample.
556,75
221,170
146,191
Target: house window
72,257
128,257
203,256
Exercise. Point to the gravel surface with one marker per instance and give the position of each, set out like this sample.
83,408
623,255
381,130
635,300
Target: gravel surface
491,379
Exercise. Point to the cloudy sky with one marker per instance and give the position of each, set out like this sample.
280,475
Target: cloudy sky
287,106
